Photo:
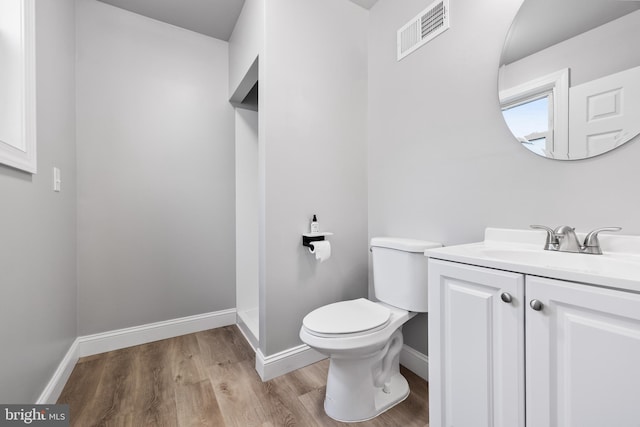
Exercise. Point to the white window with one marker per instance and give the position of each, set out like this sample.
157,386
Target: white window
17,84
537,113
531,122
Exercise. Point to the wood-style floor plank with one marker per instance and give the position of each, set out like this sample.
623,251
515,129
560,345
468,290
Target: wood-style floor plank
232,386
81,386
185,360
208,379
278,402
223,345
152,400
115,384
196,405
313,402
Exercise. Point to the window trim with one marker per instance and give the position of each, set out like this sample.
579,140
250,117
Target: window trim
23,155
557,84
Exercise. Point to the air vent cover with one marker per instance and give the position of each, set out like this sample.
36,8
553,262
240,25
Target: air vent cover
429,23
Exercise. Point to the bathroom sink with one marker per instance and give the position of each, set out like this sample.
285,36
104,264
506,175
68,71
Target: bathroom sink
522,251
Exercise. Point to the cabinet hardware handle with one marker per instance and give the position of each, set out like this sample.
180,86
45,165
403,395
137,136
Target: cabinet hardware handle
506,297
536,305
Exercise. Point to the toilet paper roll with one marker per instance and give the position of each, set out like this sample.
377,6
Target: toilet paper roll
321,249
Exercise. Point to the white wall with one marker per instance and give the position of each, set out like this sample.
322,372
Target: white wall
591,55
443,164
155,171
38,226
246,41
247,211
313,98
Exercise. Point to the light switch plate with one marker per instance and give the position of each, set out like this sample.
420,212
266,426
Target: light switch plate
56,179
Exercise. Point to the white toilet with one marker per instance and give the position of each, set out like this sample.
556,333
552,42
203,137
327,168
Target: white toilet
363,338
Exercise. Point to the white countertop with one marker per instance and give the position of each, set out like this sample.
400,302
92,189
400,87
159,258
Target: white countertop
522,251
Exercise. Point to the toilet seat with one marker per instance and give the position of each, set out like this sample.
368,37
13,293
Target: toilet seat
347,318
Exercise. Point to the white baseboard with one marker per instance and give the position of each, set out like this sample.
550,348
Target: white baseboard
415,361
122,338
298,357
89,345
286,361
60,376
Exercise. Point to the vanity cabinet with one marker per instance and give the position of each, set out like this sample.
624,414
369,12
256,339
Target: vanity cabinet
582,355
571,359
476,346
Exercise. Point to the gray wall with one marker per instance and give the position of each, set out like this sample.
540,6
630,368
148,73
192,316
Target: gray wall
246,41
443,164
247,211
38,226
313,160
155,171
591,55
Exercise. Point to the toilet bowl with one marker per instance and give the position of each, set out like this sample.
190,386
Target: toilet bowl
355,327
363,338
364,378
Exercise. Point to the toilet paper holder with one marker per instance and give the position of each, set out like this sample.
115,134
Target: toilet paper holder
309,238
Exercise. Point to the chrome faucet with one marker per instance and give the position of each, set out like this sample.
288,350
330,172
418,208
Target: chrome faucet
568,241
564,239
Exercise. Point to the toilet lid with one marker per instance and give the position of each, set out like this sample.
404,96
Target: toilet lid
347,317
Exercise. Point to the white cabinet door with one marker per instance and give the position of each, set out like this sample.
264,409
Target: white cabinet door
582,356
476,343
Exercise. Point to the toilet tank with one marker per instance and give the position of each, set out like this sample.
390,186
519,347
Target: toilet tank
400,272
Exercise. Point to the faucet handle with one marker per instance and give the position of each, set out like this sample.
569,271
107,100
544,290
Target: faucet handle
591,242
552,238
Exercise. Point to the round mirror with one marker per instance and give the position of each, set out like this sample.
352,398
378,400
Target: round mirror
569,78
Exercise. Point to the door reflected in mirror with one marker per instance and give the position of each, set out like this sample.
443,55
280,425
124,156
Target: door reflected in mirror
569,77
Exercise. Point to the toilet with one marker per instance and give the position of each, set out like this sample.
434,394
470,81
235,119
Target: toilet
363,338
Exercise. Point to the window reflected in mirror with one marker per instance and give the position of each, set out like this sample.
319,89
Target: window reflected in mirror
531,122
585,54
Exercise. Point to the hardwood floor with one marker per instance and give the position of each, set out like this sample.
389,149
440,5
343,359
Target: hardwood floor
208,379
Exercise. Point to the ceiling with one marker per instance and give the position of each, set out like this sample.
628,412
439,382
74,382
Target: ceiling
215,18
365,3
540,24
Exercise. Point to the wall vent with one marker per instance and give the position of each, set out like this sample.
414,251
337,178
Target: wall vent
429,23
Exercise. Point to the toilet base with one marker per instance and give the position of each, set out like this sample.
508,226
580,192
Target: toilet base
383,402
361,388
